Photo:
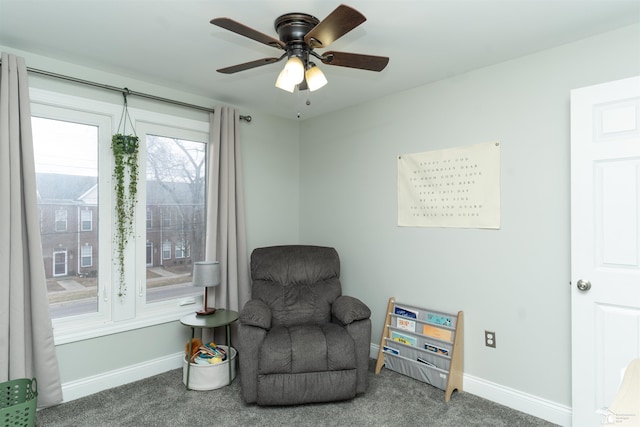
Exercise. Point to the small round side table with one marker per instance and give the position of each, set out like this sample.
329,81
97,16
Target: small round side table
221,317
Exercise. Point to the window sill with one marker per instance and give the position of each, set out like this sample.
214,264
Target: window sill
66,335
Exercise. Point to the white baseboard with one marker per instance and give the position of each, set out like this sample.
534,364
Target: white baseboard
518,400
514,399
86,386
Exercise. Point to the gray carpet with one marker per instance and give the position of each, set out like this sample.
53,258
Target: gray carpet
391,400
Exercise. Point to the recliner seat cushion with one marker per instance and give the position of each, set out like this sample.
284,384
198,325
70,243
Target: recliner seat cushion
306,348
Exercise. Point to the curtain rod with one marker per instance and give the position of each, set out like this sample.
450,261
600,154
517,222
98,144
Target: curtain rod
125,91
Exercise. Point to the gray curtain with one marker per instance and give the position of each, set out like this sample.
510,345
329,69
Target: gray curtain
26,337
226,239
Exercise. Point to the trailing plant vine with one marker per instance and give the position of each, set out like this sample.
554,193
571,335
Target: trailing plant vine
125,174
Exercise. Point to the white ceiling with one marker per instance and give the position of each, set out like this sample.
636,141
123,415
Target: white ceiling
172,43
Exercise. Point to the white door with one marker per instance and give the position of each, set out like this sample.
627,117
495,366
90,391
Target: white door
60,263
605,242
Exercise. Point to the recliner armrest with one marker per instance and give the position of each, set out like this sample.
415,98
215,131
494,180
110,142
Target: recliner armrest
256,313
346,310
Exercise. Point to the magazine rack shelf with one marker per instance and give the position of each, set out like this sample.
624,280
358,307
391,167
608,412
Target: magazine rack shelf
424,344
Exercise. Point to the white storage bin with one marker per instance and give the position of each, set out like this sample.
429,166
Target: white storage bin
210,377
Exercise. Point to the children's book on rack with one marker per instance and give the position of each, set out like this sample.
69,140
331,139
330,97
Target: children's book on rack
404,338
404,319
437,333
423,343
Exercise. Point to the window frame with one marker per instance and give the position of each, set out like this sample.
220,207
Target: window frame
114,316
179,129
49,105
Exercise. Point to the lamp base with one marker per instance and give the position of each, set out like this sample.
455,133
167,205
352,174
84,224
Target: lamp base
206,312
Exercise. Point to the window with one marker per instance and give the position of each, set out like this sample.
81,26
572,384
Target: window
86,256
61,219
149,255
166,250
86,218
66,161
181,249
166,218
175,182
73,159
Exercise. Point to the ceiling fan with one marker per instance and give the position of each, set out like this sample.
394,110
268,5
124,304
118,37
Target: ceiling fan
299,34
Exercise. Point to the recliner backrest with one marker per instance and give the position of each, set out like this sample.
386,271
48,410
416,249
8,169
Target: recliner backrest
298,282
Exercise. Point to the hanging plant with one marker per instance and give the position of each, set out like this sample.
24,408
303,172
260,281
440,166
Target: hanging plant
125,174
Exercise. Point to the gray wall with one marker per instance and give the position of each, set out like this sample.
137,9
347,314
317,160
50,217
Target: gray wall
514,281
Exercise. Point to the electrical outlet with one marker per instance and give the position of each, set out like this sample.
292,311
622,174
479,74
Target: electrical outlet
490,339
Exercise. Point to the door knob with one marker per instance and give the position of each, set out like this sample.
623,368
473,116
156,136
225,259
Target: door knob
583,285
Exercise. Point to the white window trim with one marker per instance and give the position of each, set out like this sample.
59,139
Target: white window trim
131,313
172,127
62,107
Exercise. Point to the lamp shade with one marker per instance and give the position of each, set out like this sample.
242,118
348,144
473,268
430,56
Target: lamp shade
291,74
315,78
206,273
284,83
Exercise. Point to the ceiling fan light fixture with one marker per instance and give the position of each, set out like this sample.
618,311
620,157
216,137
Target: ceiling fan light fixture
291,75
315,77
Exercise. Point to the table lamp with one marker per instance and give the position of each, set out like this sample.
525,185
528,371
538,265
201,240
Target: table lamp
206,274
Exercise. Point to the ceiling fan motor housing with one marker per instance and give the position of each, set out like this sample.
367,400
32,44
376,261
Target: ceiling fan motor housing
292,27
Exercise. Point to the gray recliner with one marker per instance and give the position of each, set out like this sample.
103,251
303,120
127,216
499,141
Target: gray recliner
299,339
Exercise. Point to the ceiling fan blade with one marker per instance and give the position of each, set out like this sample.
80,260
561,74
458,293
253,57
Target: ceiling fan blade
339,22
355,60
249,65
243,30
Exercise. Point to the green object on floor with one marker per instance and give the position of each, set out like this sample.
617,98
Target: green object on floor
18,402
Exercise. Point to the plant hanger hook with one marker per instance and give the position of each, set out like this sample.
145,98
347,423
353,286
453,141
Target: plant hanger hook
125,114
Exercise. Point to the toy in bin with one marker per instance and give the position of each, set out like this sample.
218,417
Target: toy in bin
205,354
